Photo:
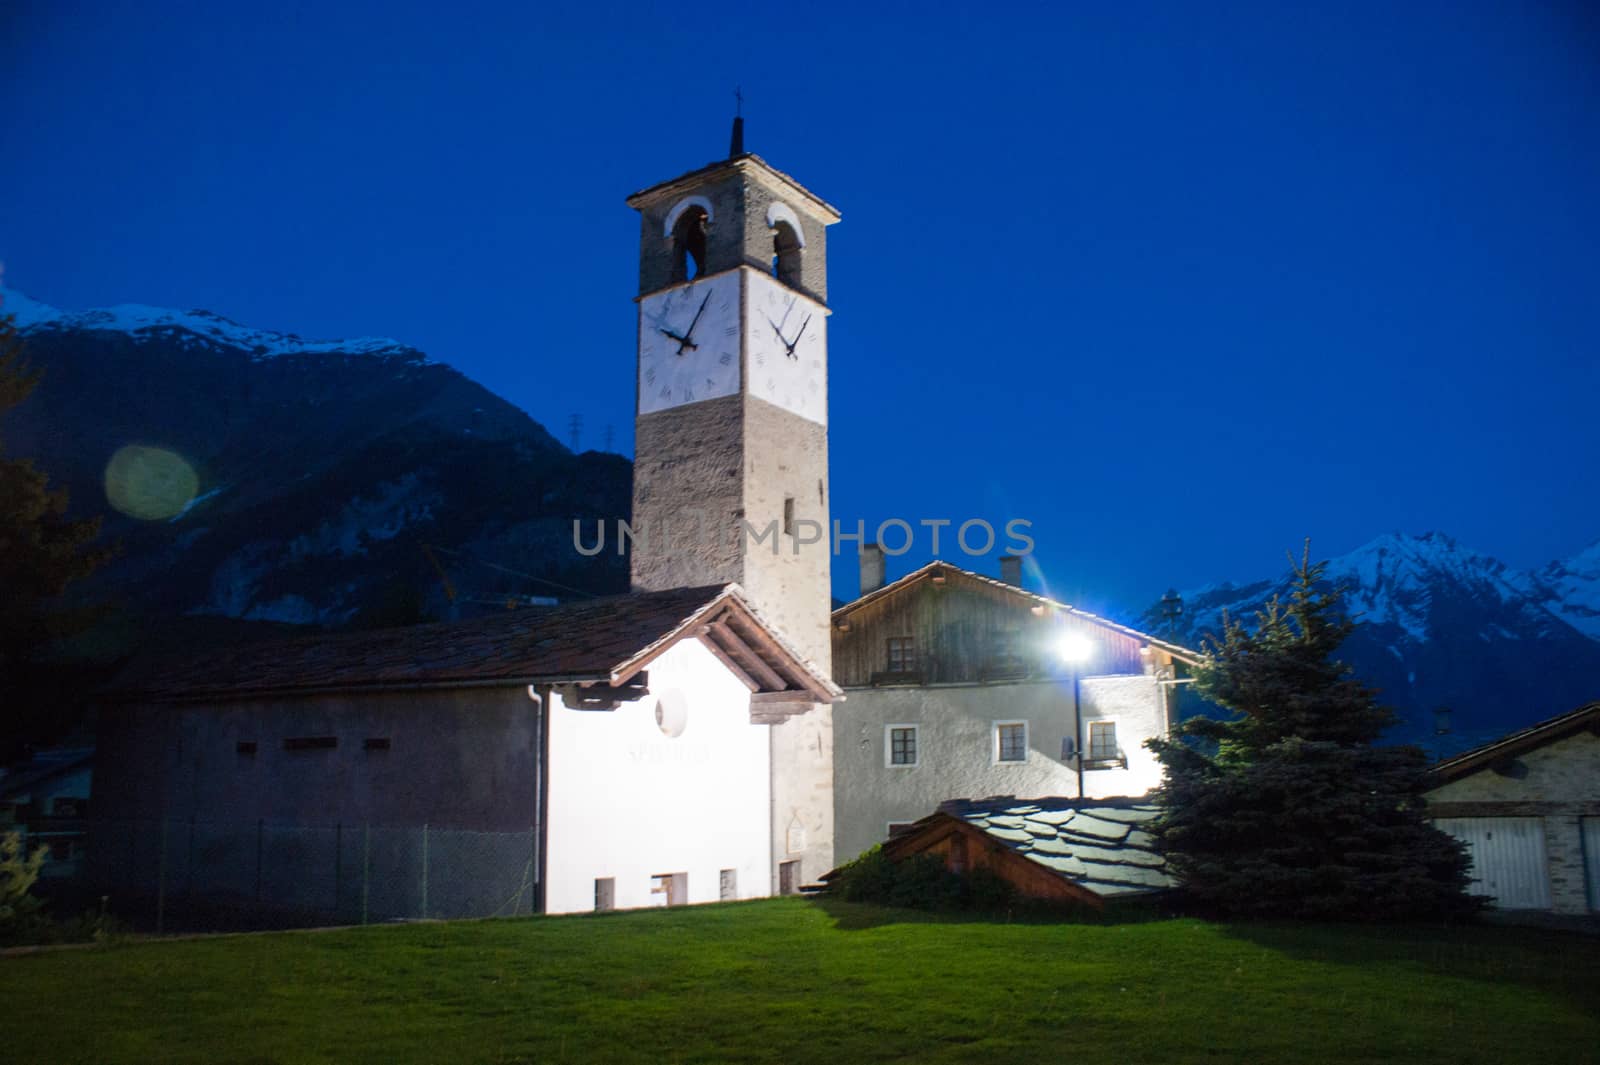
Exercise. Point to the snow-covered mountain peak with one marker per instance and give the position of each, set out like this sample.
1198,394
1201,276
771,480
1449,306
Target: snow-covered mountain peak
1572,589
1394,579
1443,625
25,312
208,327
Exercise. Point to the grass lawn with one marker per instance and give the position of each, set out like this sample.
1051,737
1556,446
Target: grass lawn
794,981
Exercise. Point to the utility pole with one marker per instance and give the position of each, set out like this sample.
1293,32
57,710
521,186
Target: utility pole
575,428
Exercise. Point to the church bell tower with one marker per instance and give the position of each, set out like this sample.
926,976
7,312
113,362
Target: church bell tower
731,469
730,475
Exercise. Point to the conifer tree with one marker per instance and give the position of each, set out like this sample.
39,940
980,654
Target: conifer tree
1290,808
42,551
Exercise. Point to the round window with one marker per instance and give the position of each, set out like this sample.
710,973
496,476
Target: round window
672,712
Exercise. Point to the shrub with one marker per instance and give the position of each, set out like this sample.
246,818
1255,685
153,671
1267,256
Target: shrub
921,882
19,909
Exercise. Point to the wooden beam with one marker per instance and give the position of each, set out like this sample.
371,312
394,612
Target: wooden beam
756,637
710,643
733,643
774,708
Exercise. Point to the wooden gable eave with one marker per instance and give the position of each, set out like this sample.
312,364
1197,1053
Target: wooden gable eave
780,682
723,634
797,674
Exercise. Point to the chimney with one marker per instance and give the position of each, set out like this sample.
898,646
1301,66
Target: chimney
871,568
1011,569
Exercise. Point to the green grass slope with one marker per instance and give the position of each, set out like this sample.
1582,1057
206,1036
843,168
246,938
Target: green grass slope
794,981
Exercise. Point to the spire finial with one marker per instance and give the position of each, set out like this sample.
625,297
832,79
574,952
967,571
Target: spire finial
736,142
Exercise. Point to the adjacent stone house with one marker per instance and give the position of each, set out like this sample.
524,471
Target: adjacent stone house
1528,808
964,687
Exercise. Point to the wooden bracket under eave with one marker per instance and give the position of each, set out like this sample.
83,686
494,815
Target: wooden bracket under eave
774,708
590,695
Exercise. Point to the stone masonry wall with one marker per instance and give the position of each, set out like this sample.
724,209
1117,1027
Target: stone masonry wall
1559,782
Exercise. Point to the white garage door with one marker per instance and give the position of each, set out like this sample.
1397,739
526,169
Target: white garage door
1508,859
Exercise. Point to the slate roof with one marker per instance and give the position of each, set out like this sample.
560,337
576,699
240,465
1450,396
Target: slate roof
639,199
938,568
1099,844
603,640
1586,717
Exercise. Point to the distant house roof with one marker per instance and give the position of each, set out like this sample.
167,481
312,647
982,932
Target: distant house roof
1101,848
597,641
1585,718
43,767
938,569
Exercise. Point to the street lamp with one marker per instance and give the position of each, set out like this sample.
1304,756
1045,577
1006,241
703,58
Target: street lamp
1074,648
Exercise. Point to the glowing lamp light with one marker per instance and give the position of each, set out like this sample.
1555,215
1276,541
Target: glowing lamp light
1074,647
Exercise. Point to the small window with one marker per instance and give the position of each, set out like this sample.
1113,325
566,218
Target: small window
375,743
728,885
669,889
902,745
61,850
1102,741
310,743
672,713
788,515
1011,741
605,894
902,654
63,806
789,878
899,828
246,748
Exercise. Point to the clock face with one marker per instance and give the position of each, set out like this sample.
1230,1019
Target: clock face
689,343
788,344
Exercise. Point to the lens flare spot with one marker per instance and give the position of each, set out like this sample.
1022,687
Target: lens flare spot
150,483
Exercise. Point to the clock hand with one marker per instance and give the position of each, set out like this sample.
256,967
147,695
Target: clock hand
687,333
777,330
797,337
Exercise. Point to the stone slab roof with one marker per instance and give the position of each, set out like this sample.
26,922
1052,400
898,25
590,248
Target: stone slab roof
599,641
744,161
1099,844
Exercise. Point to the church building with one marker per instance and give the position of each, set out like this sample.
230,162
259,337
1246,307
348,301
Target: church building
671,745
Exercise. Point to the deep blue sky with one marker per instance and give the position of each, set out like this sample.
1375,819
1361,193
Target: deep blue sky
1180,287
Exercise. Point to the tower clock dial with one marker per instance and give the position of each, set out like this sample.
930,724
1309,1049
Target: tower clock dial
786,336
689,343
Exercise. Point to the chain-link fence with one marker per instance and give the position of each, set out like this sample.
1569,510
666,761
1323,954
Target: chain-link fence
205,875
